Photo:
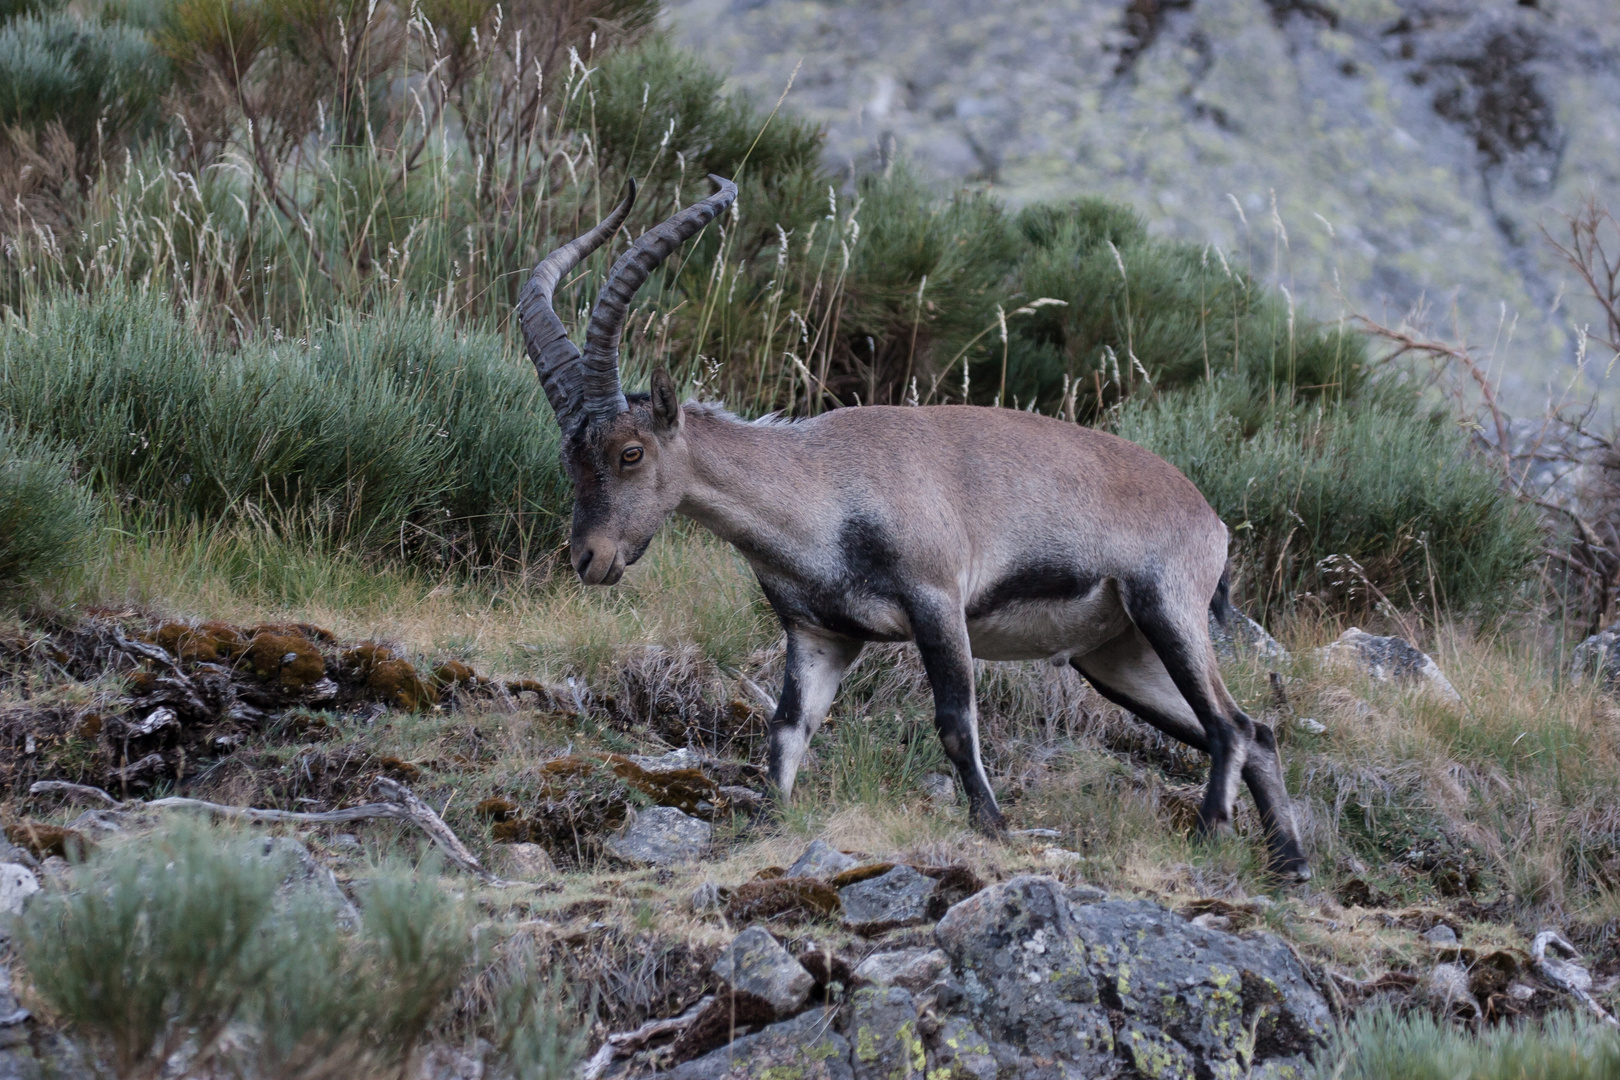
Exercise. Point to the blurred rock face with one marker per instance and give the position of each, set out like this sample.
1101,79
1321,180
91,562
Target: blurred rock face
1435,137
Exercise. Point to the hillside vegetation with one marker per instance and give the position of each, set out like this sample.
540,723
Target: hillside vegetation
261,397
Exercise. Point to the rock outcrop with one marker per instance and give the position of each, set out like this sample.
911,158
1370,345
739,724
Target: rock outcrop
1388,659
1420,130
1028,979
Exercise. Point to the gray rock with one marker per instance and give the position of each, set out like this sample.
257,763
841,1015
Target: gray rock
1157,1055
17,884
1204,989
897,898
706,897
803,1048
1440,934
307,878
1242,636
957,1051
662,836
1024,981
1387,659
1599,657
1448,988
1284,1068
524,862
821,860
880,1023
912,969
755,964
939,788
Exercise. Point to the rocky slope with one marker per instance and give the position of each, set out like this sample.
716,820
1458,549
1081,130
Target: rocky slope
1410,149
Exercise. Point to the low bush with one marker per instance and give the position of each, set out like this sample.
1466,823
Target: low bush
402,432
1383,1045
46,516
1349,503
164,942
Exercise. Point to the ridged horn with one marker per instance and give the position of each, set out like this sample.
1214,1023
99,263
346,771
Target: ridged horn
555,358
604,397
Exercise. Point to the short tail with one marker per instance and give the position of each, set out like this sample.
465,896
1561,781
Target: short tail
1220,605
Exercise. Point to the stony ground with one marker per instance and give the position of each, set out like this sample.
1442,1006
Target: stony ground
614,822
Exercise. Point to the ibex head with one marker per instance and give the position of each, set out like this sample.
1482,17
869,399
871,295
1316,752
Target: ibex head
626,457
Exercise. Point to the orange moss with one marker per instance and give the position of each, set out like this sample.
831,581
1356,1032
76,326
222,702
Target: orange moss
89,725
496,809
209,643
397,683
290,659
405,770
304,630
454,673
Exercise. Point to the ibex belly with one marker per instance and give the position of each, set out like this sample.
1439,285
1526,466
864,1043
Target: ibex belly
1054,628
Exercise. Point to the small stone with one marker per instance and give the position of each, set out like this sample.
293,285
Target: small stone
1598,657
525,862
1056,856
821,861
1242,635
706,897
756,964
1209,920
911,969
742,800
897,898
57,872
1520,991
1084,894
662,836
17,884
1387,659
1448,987
881,1022
1310,727
1440,934
939,788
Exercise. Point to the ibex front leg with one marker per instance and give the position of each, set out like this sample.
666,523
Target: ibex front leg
816,661
940,630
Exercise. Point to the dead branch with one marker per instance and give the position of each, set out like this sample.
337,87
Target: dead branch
1565,974
400,804
1590,260
626,1043
1408,343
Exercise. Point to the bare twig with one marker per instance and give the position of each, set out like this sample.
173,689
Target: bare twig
400,804
1567,976
625,1043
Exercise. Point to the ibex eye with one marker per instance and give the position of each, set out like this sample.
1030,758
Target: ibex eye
631,455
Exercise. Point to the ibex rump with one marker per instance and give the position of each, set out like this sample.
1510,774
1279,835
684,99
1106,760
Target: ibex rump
974,532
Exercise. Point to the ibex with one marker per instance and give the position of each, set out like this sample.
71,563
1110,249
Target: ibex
975,532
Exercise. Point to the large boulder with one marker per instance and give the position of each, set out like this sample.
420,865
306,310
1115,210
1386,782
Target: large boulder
803,1048
1194,994
1387,659
881,1026
1021,976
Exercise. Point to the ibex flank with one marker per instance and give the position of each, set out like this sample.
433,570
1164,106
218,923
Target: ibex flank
975,532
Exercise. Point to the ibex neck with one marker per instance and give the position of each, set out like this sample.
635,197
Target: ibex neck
753,485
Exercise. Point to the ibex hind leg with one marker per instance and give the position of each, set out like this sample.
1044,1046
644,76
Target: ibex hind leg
1178,632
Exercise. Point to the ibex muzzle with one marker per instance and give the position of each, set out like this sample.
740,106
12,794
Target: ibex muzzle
974,532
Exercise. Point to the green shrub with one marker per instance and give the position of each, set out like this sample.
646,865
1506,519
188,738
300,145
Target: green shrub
1382,482
1382,1045
168,940
1180,311
58,67
395,430
46,516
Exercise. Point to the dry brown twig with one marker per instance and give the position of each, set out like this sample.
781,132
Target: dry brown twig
399,804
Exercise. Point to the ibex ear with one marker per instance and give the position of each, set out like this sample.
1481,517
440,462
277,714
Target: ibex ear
666,404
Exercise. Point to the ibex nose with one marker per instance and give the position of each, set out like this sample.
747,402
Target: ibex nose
597,561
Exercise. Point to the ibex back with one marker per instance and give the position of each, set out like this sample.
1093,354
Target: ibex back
974,532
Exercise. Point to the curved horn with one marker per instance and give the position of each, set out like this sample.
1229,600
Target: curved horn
604,398
555,358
